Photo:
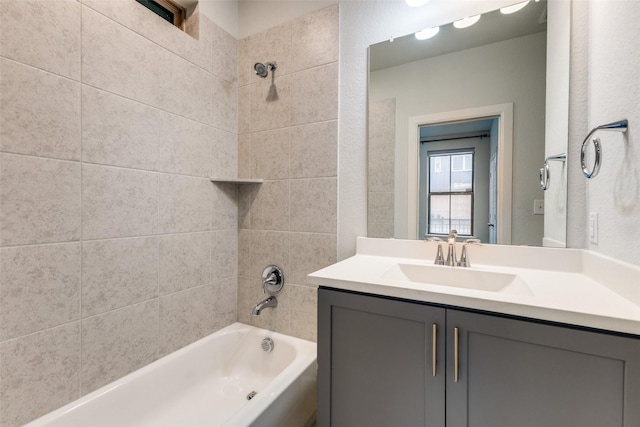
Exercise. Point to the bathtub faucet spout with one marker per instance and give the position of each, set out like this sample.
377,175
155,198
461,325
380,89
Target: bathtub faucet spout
269,302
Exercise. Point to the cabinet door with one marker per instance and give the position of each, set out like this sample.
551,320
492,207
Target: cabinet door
514,373
375,365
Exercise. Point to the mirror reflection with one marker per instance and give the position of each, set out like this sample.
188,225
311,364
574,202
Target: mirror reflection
457,131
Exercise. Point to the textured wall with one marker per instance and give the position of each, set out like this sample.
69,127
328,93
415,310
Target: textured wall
116,249
288,134
614,94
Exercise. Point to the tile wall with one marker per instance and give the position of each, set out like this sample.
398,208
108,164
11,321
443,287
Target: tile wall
288,135
381,164
115,248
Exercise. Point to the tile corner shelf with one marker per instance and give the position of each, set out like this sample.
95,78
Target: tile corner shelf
237,180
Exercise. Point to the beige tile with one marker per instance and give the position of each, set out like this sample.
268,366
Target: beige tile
119,132
270,208
117,343
244,108
144,22
118,202
310,252
40,112
224,254
381,230
382,146
185,261
117,273
225,52
40,288
244,156
314,95
314,150
118,60
185,147
272,45
313,205
249,294
43,34
304,320
40,372
185,317
304,325
380,207
382,115
270,154
225,105
271,104
381,176
316,39
225,206
224,154
245,62
225,303
246,196
184,205
245,242
39,200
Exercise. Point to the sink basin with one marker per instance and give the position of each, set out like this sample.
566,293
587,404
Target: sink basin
457,277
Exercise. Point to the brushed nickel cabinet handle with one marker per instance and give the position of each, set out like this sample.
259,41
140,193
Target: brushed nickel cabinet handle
456,355
434,349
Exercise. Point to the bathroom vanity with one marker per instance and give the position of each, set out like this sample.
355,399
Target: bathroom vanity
525,337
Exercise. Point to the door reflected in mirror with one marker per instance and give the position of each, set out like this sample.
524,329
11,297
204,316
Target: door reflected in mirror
500,60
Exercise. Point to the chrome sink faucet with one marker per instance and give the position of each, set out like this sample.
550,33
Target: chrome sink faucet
464,257
451,252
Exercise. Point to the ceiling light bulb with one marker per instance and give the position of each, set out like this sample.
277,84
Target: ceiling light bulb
514,8
466,22
416,3
427,33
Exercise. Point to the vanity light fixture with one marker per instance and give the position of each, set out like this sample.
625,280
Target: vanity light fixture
416,3
427,33
513,8
466,22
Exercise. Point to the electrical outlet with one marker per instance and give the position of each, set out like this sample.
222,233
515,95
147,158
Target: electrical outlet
593,227
538,207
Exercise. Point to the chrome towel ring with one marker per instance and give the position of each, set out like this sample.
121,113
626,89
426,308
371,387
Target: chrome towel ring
544,171
619,126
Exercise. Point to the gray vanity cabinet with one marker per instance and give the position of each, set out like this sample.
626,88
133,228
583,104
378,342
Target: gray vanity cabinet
375,362
516,373
376,369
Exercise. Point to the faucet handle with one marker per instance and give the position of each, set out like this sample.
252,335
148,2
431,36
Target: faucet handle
433,239
473,241
439,256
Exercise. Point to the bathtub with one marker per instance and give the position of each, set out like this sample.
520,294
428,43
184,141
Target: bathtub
208,383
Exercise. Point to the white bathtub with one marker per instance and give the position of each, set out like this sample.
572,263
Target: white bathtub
206,384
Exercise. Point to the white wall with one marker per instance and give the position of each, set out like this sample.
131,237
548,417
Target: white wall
503,72
222,12
614,94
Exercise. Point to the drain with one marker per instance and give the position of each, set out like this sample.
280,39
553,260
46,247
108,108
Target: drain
267,344
251,395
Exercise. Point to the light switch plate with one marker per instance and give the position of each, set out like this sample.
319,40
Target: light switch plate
538,207
593,227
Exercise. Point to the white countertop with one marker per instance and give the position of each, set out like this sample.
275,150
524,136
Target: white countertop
563,285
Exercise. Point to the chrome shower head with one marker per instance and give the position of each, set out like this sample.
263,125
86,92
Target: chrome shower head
262,70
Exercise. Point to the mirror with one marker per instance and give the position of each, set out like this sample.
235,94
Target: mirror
507,71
